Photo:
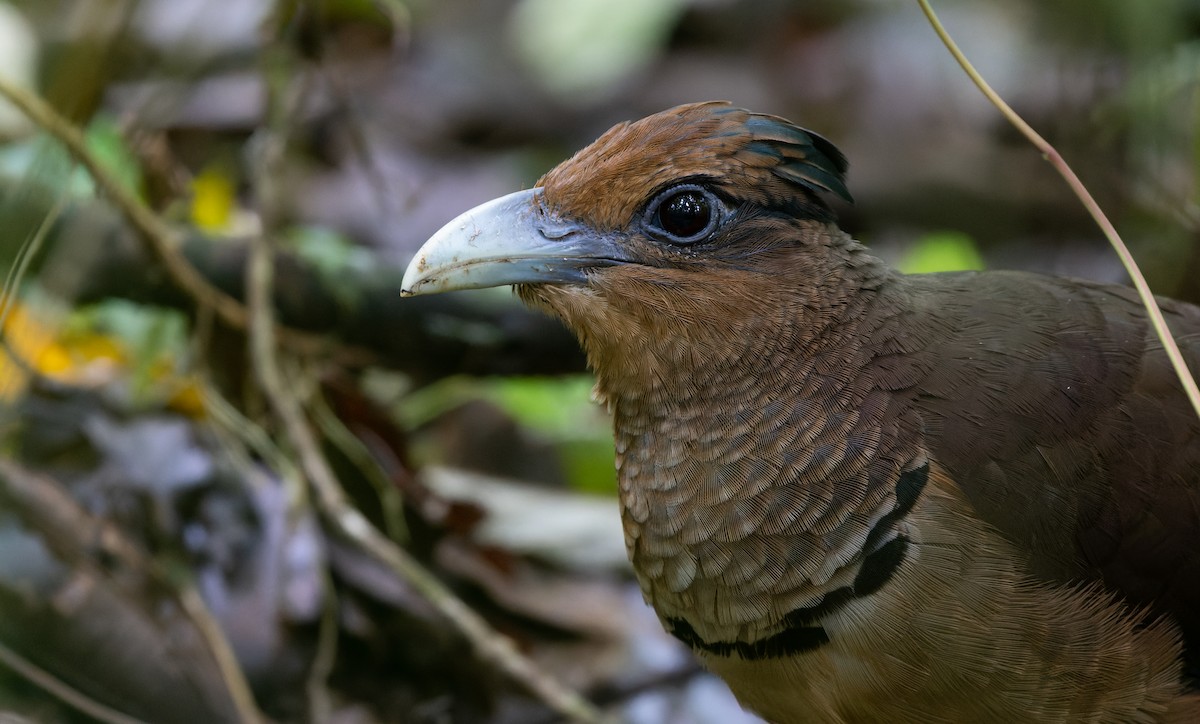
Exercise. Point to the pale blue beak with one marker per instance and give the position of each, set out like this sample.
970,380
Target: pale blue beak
509,240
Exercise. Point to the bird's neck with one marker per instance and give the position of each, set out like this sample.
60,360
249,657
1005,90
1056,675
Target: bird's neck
660,333
754,463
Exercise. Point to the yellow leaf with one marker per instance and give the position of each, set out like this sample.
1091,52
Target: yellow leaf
213,198
188,399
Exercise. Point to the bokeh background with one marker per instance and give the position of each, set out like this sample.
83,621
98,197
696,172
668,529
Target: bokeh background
157,503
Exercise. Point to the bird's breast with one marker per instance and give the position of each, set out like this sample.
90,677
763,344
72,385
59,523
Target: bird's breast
746,517
962,633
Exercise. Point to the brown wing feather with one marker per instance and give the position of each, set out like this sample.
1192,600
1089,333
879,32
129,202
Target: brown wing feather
1053,406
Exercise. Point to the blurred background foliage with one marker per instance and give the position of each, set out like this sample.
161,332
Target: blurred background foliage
150,485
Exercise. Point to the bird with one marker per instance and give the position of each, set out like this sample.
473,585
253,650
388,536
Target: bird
860,495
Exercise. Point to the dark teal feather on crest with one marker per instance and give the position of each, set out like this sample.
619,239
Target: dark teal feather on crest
804,157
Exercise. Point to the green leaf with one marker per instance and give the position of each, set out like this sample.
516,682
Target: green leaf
104,140
333,257
942,251
559,409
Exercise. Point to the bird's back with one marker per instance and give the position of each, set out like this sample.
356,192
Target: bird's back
1052,405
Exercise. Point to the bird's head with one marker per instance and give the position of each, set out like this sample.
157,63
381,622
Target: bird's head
700,218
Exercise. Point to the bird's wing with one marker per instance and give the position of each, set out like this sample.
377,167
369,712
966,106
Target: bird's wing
1052,404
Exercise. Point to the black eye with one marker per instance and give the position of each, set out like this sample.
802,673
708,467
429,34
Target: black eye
683,214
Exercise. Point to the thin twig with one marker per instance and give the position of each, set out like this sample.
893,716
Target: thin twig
240,432
65,693
65,524
222,652
25,255
378,181
1056,160
161,240
360,456
491,646
316,683
12,283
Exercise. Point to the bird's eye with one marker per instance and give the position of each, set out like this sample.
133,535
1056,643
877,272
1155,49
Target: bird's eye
683,214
